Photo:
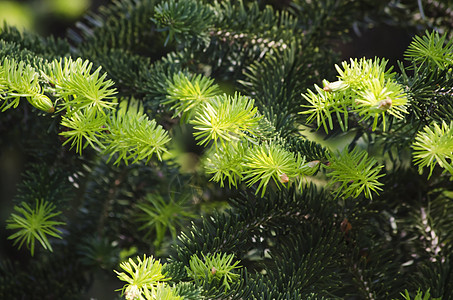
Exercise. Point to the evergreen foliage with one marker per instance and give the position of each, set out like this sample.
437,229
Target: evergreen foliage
178,141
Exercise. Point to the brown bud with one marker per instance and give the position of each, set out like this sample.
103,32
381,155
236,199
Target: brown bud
284,178
385,104
345,226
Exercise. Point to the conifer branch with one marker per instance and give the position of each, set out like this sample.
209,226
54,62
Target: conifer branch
434,145
272,236
17,80
130,134
226,119
188,94
356,172
269,161
214,268
84,128
226,163
143,278
431,50
184,20
34,224
78,87
365,88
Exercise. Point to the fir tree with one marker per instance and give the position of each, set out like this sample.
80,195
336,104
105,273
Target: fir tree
173,146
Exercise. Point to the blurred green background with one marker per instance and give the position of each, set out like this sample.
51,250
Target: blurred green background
45,16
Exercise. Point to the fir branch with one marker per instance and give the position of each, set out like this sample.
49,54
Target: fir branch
258,26
226,163
214,269
226,119
380,98
273,82
130,134
282,209
34,224
144,275
41,47
274,54
97,251
315,262
184,20
161,216
434,145
124,24
12,50
432,50
430,93
311,150
40,181
128,71
217,233
356,172
78,86
436,276
322,105
269,161
243,33
242,161
364,87
188,291
155,80
188,94
17,80
419,296
56,274
84,128
163,292
332,19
